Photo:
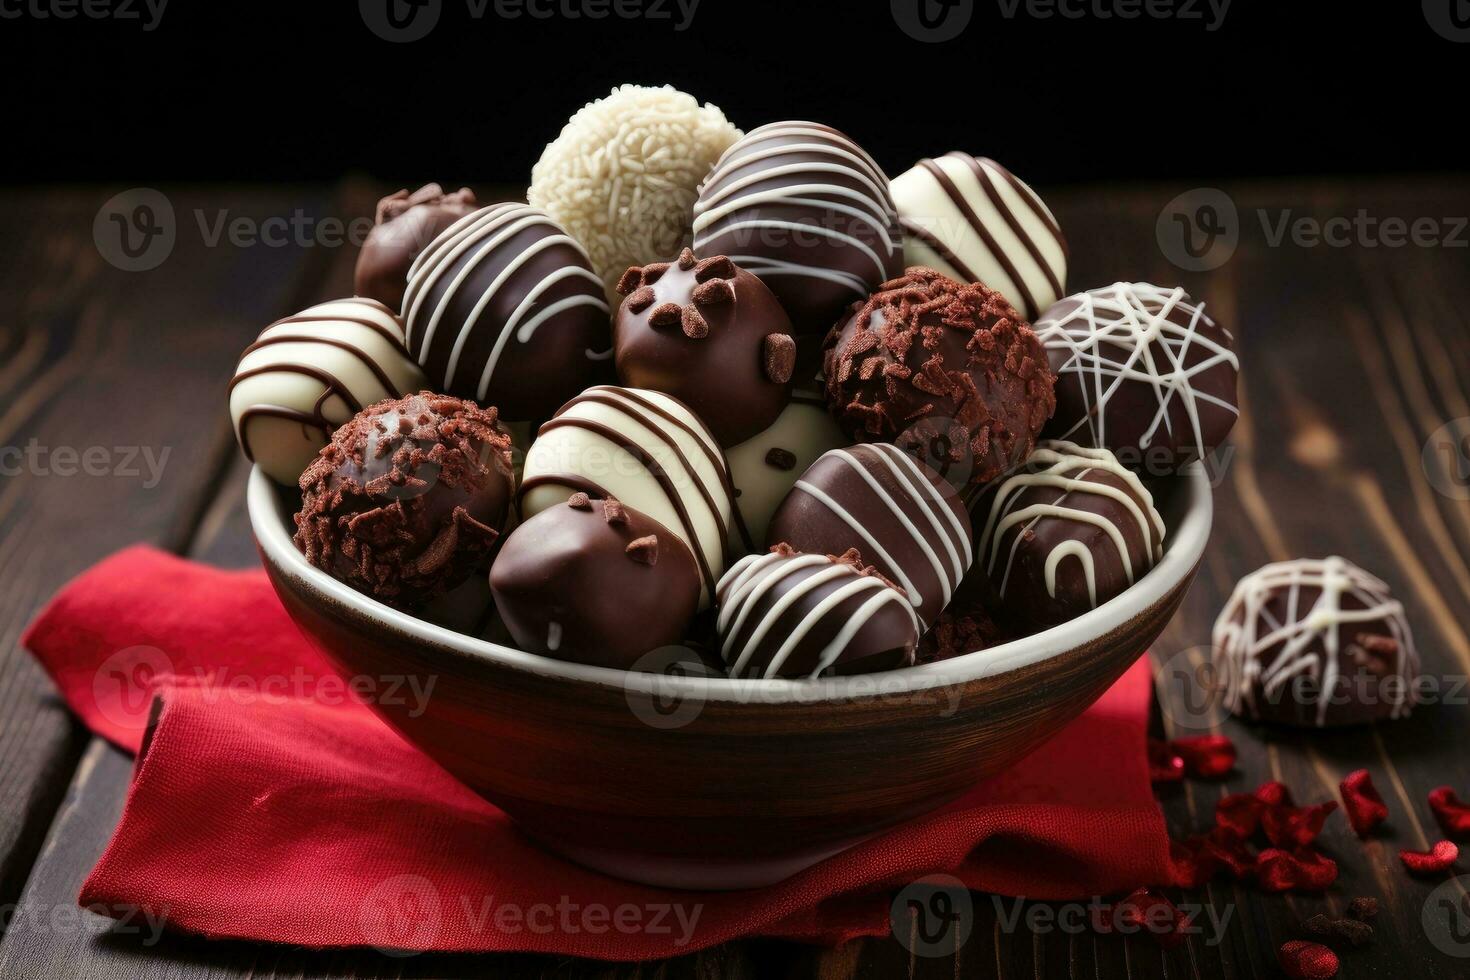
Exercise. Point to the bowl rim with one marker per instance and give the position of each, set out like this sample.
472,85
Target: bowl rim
1184,548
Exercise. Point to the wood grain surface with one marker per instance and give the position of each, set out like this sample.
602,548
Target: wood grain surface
1355,355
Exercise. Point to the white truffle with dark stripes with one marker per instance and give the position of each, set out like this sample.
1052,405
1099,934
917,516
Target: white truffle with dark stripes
647,450
503,308
975,221
808,211
309,373
787,614
900,516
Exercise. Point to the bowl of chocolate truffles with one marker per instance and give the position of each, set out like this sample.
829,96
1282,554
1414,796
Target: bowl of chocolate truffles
739,502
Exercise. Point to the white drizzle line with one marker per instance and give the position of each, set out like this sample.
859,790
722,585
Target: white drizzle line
1241,644
751,579
1157,353
1064,466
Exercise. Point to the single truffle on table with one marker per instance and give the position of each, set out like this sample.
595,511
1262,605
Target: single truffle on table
766,466
504,307
1315,643
892,509
646,449
948,372
710,334
623,174
807,210
787,614
1141,370
309,373
408,498
975,221
403,227
594,582
1066,532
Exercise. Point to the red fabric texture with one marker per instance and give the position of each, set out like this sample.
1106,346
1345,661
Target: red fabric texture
269,804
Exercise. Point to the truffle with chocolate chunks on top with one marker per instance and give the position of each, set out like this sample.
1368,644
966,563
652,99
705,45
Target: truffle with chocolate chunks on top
404,225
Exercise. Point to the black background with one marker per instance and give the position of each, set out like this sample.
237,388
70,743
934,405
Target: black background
304,90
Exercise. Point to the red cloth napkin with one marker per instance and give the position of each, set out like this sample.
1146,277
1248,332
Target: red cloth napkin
269,804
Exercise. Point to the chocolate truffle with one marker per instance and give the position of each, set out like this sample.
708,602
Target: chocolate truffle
503,307
808,211
309,373
1143,371
647,450
1315,643
973,220
404,226
894,510
767,465
948,372
1064,533
622,175
710,334
408,498
594,582
786,614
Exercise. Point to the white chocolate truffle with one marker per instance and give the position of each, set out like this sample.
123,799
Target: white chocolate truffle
766,466
973,220
649,451
309,373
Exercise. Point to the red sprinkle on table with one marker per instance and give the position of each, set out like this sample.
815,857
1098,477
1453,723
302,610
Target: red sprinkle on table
1438,858
1452,814
1307,961
1365,808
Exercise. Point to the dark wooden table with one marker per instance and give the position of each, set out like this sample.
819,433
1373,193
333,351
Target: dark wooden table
1356,353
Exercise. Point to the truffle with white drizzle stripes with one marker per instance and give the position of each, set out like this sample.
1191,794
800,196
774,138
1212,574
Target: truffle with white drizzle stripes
898,514
793,615
1141,370
1315,643
1064,533
503,307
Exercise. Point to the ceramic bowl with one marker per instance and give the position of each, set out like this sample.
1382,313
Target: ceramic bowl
696,782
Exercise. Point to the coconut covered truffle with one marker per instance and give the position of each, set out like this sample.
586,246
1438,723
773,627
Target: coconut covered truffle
408,499
623,175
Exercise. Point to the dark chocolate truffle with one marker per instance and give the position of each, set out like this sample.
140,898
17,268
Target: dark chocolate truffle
595,582
1066,532
948,372
710,334
503,307
894,510
808,211
1143,371
408,498
403,227
1315,643
787,614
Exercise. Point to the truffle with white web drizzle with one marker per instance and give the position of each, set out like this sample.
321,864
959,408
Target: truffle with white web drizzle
1064,533
788,614
1143,371
1315,643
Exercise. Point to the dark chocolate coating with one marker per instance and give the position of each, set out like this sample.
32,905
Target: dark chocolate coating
594,582
404,225
846,237
1090,336
884,630
408,499
710,334
900,515
948,372
1013,559
529,309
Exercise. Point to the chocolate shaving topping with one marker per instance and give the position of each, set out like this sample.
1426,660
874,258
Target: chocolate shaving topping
629,280
1353,931
653,272
714,267
1363,908
779,352
715,292
695,325
640,299
686,259
579,501
644,550
781,459
613,512
665,315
